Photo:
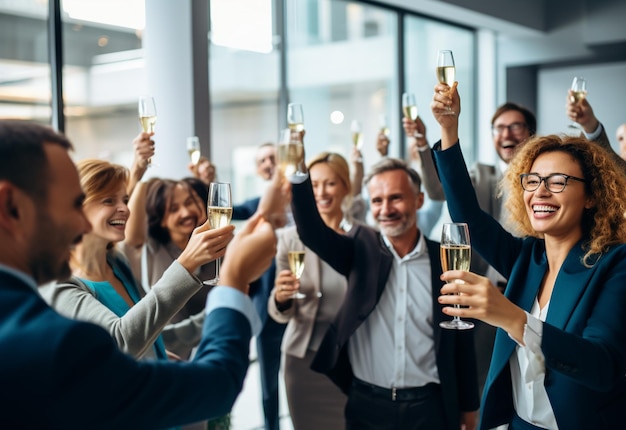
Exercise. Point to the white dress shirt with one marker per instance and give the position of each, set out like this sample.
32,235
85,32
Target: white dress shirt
528,371
394,346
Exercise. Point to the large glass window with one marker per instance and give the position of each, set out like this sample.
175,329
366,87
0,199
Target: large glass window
423,39
244,85
341,61
24,63
103,66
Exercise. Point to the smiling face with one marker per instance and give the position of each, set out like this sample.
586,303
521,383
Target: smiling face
60,222
557,214
182,214
108,214
328,188
394,202
507,141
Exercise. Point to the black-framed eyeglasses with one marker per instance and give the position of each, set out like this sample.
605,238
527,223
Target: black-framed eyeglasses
555,183
516,127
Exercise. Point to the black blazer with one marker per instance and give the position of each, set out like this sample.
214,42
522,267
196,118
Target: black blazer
365,260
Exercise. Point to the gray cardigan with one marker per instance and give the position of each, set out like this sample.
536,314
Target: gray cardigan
136,331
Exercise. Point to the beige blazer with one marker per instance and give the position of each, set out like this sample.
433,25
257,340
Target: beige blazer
301,316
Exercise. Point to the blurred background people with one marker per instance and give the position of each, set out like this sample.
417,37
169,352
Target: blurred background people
314,401
203,170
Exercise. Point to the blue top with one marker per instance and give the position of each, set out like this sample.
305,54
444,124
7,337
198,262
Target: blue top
106,294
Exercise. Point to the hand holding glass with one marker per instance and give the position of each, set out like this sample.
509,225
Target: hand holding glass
446,71
295,117
296,265
193,149
579,92
147,116
219,213
456,254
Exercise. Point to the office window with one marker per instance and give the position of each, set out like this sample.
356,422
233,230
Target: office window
244,86
24,64
103,64
341,65
423,39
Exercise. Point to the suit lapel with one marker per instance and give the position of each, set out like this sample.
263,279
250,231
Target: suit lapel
570,284
527,280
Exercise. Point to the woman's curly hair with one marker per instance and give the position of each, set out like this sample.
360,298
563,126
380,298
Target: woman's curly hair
603,225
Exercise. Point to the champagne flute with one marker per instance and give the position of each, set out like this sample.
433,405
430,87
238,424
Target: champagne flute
355,128
296,265
193,148
295,117
290,155
147,116
579,92
446,71
384,126
456,254
219,213
409,109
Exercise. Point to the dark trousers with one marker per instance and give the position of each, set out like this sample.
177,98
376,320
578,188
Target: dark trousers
268,350
370,408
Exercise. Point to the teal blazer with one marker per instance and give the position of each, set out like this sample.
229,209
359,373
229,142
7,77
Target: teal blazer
584,335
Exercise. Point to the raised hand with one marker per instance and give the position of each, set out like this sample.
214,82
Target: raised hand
286,285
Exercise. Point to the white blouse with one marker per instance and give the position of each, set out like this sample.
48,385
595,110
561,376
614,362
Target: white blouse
528,371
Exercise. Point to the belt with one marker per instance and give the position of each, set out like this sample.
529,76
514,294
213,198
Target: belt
395,394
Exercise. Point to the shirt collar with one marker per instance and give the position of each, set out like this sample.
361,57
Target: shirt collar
420,247
29,280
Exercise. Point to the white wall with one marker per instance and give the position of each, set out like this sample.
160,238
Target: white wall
606,94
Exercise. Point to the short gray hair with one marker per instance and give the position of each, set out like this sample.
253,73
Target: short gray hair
389,164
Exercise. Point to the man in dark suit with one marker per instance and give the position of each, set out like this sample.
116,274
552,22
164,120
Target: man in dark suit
269,339
62,373
385,348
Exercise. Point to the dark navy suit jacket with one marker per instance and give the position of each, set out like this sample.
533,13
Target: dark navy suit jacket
365,260
58,373
584,335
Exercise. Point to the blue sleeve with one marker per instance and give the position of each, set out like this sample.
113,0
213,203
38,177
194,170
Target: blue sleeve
246,209
231,298
497,246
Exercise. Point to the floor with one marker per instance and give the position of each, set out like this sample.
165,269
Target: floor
247,414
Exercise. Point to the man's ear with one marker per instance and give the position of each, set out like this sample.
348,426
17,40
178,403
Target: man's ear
9,204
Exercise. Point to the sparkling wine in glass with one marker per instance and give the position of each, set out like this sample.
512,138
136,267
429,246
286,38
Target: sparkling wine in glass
290,155
409,109
296,265
357,135
193,149
446,71
295,117
579,92
219,213
147,116
384,125
456,253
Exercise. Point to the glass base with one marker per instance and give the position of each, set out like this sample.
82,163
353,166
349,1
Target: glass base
456,324
298,295
211,282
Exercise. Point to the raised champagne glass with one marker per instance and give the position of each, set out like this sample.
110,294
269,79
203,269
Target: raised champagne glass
296,265
219,212
357,135
409,109
295,117
446,72
147,116
579,92
456,253
193,149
